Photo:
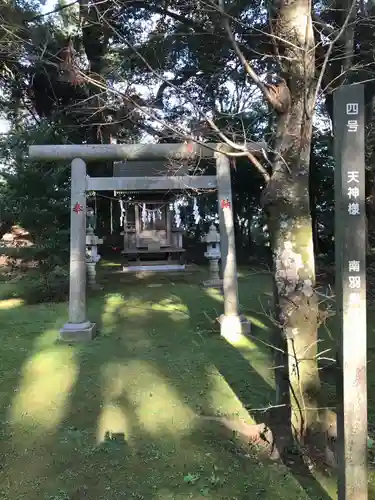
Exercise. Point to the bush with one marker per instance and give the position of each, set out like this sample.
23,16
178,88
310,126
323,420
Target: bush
48,286
36,195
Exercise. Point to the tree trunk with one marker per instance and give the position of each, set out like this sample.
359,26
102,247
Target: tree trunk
286,200
297,311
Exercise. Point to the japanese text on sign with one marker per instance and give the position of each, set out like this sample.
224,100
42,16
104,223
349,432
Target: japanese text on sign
354,266
354,282
352,109
352,125
353,192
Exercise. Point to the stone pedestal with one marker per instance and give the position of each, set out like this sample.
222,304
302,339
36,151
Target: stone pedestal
78,332
214,280
92,258
91,274
214,269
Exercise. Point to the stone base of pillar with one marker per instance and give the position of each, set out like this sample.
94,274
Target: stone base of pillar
213,283
78,332
230,326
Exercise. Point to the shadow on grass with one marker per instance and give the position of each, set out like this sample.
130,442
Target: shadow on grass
115,418
247,369
126,424
156,378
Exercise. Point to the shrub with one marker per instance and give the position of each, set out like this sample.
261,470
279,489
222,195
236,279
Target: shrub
47,286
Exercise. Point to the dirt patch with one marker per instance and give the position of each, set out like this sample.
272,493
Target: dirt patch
274,444
242,433
17,238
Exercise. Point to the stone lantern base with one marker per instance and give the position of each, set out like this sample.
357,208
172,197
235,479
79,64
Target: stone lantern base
214,280
213,283
91,276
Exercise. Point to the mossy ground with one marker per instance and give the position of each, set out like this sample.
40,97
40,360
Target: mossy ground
116,418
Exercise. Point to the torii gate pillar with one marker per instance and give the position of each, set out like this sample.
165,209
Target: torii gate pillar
231,322
78,328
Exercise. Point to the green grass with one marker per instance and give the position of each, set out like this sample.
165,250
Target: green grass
116,418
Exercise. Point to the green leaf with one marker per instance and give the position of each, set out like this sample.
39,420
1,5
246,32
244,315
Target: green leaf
191,478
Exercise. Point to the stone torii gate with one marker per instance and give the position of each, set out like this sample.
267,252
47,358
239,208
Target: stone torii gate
78,327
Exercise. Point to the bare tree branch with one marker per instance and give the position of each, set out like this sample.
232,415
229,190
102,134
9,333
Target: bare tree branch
242,149
59,8
330,48
325,29
247,66
186,74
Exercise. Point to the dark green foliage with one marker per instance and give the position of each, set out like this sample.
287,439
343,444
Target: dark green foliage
322,193
52,285
36,196
39,286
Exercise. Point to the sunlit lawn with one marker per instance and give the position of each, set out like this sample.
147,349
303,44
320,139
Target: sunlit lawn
116,418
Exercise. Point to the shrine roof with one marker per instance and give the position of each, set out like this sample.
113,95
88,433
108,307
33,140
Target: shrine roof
162,168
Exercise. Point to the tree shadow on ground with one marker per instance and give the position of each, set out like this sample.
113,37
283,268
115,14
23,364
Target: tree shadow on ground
241,371
21,339
129,426
177,359
115,418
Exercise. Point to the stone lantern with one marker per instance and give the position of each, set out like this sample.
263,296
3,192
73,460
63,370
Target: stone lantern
90,219
213,254
92,242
